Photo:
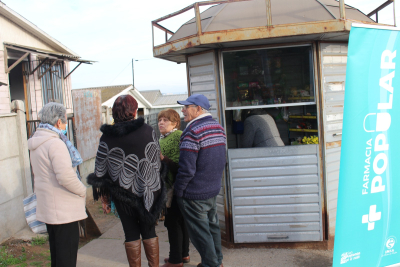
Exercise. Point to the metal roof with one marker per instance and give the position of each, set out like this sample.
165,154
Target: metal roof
110,91
169,99
250,14
237,23
45,52
151,95
110,102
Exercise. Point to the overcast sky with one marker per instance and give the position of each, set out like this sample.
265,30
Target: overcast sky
113,32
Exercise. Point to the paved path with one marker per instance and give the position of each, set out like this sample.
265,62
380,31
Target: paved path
108,250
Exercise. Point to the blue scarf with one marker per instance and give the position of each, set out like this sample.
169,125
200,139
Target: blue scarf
73,152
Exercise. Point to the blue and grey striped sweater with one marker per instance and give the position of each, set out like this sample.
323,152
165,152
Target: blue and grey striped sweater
202,160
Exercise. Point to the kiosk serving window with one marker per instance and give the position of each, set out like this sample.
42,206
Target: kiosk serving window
269,97
272,76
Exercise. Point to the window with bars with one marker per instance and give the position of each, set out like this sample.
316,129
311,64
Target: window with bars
51,75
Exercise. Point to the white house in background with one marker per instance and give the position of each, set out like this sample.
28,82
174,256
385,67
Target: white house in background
107,103
161,101
149,102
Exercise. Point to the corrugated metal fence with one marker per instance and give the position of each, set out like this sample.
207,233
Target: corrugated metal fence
275,194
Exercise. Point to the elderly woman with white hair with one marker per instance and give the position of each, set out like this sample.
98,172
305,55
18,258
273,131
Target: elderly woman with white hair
60,193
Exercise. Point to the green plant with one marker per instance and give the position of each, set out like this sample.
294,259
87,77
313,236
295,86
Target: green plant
39,240
9,259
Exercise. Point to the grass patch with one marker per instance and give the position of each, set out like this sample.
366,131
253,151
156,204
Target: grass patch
9,259
39,240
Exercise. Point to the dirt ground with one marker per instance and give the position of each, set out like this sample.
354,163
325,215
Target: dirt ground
24,253
103,221
36,252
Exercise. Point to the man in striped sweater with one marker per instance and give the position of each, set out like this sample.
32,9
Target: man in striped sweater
201,163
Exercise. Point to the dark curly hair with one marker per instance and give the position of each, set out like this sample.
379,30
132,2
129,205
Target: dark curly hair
124,108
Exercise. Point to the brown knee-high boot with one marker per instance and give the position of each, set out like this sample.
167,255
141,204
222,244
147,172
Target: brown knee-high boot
152,251
133,253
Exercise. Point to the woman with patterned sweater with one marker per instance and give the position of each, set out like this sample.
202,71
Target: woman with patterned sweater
169,122
128,167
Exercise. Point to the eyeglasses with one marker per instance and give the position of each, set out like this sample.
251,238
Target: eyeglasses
187,106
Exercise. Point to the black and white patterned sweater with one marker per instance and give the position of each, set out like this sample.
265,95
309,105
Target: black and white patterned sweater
128,167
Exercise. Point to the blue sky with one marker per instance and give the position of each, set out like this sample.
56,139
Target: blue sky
113,32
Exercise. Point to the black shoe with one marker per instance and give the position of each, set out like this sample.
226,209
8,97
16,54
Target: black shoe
184,259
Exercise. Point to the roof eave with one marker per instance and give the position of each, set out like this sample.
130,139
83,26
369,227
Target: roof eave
246,34
168,106
32,28
142,99
44,52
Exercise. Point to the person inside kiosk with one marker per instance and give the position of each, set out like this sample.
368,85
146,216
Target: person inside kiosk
269,97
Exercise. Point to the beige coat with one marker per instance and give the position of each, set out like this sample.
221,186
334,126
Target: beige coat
60,195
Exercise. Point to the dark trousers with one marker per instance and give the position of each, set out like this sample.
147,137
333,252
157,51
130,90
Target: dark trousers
64,242
202,222
177,233
133,225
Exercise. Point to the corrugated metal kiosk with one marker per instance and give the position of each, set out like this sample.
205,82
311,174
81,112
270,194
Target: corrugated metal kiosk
272,69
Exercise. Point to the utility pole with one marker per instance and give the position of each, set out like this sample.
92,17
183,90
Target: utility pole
133,74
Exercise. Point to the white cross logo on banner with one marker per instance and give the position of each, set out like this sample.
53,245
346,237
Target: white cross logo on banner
371,218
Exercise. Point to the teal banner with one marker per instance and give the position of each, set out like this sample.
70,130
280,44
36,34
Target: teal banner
368,212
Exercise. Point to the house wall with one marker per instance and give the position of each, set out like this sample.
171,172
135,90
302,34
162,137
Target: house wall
86,168
12,33
4,90
15,179
35,89
68,88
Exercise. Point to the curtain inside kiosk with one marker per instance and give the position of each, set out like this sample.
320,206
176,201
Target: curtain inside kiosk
269,94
